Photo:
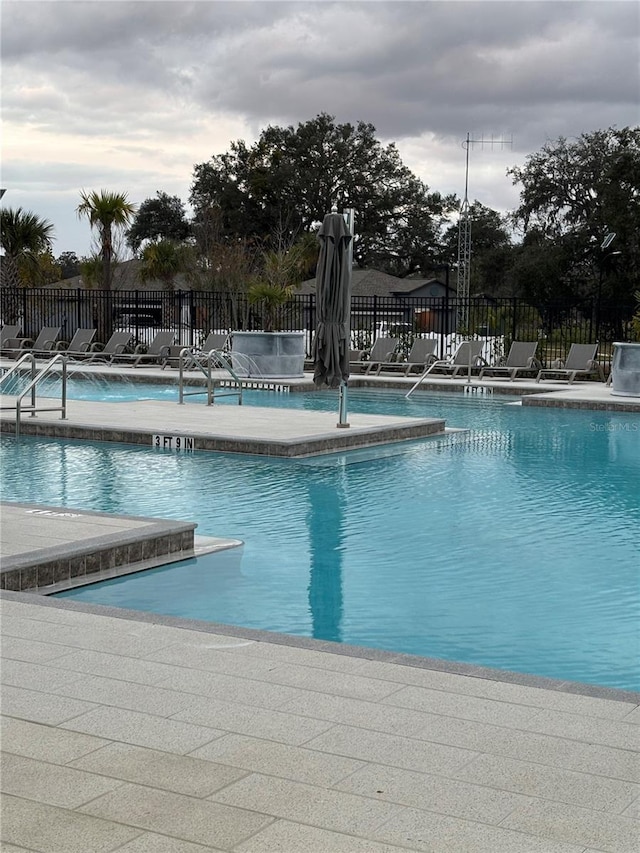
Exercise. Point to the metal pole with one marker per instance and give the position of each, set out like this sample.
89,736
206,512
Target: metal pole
443,342
64,388
601,276
342,406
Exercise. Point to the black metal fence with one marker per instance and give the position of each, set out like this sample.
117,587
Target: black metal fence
192,314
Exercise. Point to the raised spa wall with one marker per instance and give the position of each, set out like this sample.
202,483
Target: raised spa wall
625,370
274,355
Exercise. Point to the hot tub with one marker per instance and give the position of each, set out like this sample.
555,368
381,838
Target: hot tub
625,370
268,354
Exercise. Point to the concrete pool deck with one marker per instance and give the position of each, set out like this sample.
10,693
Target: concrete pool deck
143,734
234,429
147,734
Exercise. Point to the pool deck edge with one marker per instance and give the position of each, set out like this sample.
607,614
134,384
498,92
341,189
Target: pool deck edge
168,427
46,547
416,661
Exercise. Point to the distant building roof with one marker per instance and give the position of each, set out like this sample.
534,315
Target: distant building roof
125,277
377,283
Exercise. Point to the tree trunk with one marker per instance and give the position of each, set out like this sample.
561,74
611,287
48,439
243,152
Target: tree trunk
10,295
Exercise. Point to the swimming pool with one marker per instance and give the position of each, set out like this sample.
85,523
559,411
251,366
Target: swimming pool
516,548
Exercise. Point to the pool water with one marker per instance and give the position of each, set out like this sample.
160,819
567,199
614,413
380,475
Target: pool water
516,547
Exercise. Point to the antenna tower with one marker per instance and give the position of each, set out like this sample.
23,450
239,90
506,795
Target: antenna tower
464,230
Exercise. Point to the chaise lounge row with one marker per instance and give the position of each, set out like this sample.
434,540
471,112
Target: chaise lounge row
422,359
82,346
520,361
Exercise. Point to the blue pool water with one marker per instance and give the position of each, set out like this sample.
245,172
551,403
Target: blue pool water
517,547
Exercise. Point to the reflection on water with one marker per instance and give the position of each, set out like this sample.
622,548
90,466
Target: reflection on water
325,520
624,443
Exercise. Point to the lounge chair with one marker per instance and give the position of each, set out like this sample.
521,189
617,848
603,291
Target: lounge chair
356,361
43,345
116,345
9,334
581,361
382,351
421,355
521,359
157,352
309,363
79,344
467,354
216,340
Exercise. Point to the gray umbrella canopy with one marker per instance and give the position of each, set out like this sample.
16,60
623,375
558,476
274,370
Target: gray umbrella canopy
333,303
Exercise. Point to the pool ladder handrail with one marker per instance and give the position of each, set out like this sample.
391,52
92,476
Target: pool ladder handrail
430,367
60,358
16,368
205,362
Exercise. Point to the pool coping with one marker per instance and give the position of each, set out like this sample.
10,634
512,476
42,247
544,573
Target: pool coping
345,649
323,442
124,544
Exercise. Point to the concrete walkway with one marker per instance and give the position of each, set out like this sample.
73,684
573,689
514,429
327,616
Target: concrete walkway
135,734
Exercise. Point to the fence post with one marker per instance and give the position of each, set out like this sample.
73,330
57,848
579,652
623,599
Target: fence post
375,320
445,328
24,313
311,323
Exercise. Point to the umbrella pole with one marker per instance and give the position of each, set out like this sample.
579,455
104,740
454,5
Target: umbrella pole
349,215
342,408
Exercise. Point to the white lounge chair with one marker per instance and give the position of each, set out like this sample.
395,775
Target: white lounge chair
581,361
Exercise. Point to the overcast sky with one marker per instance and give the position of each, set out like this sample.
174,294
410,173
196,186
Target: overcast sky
128,96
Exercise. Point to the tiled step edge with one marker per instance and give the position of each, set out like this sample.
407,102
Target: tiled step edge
173,541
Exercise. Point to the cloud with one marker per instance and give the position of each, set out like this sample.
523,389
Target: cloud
136,93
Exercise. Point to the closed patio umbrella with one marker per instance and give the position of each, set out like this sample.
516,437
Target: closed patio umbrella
333,307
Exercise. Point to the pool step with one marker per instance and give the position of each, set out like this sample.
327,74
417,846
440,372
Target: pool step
44,546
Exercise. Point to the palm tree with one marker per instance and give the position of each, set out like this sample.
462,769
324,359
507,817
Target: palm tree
91,271
23,237
161,261
283,270
105,211
306,249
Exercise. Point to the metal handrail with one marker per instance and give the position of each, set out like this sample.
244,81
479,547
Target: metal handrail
31,387
28,356
204,362
439,363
